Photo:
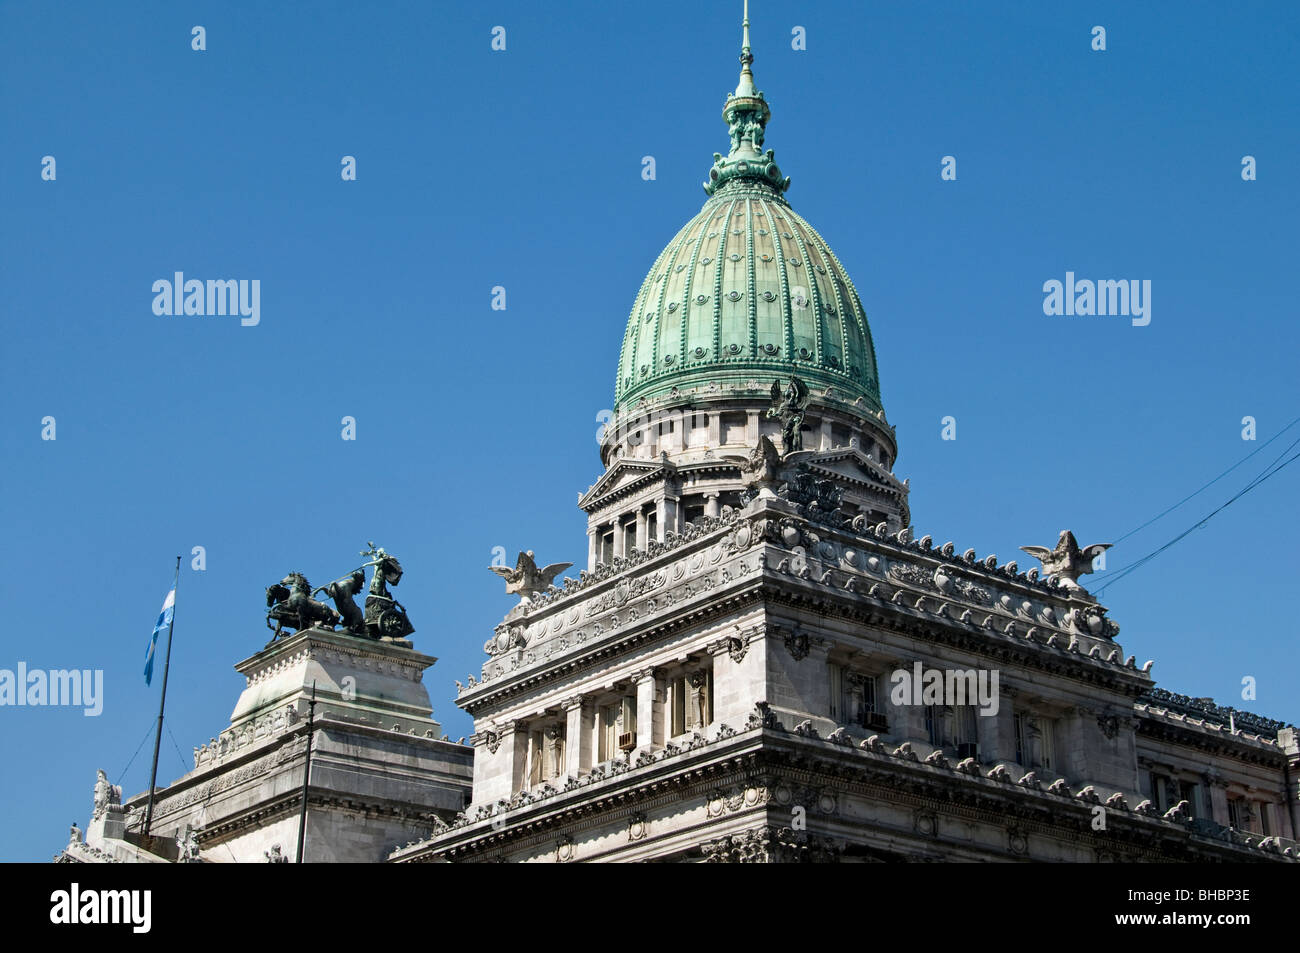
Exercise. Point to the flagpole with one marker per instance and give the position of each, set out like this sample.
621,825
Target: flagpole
162,704
306,774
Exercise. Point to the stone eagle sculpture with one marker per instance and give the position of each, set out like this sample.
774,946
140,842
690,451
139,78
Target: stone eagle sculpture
761,468
526,579
1067,561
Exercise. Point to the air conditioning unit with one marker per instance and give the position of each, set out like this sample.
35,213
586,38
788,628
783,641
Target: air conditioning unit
626,741
876,721
968,750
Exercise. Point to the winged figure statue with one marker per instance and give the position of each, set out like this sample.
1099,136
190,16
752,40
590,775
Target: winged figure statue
788,407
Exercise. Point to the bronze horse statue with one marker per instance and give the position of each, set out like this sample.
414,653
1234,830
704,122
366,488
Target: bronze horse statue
342,592
290,605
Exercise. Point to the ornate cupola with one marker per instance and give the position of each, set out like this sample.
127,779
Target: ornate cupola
746,298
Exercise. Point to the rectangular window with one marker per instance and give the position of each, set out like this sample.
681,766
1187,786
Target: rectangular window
627,724
692,701
1022,740
1189,792
1264,827
608,729
934,725
1047,743
856,700
966,730
679,705
535,775
1235,813
629,536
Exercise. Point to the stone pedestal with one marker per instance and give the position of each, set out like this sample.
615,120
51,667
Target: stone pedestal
380,772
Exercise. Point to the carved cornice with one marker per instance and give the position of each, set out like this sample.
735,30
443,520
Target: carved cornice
765,765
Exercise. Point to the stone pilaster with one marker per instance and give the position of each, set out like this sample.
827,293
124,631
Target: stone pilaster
646,696
574,736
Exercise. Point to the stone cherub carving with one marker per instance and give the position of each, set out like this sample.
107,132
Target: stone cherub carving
275,856
1067,561
789,407
526,579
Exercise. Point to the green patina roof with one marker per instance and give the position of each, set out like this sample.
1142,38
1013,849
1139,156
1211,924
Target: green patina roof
747,289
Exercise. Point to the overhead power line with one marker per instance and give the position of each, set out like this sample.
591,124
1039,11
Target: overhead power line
1271,470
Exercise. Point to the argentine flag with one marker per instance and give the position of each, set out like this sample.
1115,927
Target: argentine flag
164,620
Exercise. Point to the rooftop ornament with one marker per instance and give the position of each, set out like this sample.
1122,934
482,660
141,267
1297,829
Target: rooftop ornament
789,407
526,579
746,114
1067,561
291,606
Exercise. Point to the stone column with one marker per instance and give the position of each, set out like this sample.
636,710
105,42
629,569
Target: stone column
641,528
827,439
514,742
573,735
661,508
715,429
644,681
669,520
752,428
618,536
711,507
593,543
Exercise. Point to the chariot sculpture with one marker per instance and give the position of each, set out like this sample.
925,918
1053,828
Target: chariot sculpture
290,604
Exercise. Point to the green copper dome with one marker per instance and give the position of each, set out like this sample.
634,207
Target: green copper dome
747,290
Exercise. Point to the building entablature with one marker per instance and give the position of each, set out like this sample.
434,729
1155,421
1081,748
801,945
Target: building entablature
890,580
765,749
1208,737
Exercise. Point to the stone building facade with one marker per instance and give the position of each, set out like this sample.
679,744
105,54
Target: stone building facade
721,682
381,770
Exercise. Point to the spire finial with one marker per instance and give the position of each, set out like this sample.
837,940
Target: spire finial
746,85
746,115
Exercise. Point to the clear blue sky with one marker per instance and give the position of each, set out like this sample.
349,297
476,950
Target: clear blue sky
476,428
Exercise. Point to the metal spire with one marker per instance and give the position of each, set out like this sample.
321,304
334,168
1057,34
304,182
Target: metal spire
746,114
746,85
